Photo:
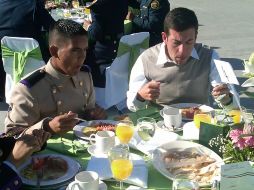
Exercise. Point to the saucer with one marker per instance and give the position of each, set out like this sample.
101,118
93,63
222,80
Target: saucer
102,186
161,125
92,151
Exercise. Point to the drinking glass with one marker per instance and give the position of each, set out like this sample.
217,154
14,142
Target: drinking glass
87,9
236,116
120,163
199,117
75,4
146,128
183,182
124,131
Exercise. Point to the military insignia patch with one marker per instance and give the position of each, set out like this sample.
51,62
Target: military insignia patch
155,4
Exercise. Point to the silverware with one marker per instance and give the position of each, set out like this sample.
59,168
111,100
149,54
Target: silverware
39,176
80,119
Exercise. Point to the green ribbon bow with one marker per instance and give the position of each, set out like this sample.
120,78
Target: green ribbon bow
20,59
133,49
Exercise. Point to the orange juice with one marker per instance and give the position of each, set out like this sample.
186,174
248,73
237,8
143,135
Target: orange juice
87,11
236,115
121,169
124,133
201,117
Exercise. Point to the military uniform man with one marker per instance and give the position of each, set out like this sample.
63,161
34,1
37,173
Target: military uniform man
53,96
105,30
150,19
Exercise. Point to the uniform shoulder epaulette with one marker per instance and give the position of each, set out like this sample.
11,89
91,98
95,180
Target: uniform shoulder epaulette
32,79
85,68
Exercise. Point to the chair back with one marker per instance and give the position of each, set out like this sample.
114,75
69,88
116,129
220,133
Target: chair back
117,75
20,56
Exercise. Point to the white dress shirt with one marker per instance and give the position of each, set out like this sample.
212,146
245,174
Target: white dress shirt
138,79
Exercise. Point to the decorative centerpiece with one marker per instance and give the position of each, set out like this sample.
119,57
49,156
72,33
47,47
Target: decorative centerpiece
238,144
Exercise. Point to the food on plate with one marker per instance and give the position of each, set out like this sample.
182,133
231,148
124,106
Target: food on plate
189,112
200,167
52,167
122,117
100,126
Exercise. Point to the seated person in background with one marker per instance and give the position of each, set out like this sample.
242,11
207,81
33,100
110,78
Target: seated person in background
150,19
14,152
23,18
177,70
104,31
53,96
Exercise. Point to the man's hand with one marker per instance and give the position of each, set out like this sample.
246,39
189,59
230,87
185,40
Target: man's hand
26,145
219,90
96,113
63,123
129,16
86,24
149,91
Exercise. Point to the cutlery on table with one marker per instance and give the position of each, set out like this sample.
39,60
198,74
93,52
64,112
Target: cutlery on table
39,176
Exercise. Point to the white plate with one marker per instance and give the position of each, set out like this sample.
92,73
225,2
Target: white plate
92,151
160,152
102,186
73,168
190,105
160,137
78,129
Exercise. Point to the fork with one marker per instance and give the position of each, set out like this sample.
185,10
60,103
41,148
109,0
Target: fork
39,176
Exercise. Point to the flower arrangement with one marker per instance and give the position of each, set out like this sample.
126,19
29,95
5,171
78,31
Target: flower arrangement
238,145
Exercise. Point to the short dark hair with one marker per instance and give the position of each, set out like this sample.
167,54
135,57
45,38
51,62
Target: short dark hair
180,19
66,28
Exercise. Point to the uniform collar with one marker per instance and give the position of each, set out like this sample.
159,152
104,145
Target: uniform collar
163,58
60,78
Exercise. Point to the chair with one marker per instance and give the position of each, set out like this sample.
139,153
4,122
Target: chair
20,57
117,75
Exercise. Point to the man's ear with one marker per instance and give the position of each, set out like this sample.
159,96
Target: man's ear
164,36
53,51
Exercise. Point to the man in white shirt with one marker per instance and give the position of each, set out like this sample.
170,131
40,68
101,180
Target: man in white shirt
177,70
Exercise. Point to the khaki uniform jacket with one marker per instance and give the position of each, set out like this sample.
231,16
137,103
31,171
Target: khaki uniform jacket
48,93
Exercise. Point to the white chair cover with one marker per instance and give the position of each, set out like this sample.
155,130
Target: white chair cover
117,75
18,44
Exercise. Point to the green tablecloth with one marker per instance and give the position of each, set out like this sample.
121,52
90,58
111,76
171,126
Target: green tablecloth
156,180
74,149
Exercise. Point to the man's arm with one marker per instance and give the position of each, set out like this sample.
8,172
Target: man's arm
24,112
9,179
137,80
229,100
43,15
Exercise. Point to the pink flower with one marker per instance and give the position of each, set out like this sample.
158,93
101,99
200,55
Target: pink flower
236,139
249,141
248,128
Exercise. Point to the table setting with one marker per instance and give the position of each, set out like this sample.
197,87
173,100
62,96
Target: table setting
146,142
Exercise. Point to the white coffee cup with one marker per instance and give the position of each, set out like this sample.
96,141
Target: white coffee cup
85,180
103,141
172,117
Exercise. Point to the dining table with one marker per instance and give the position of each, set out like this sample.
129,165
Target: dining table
69,145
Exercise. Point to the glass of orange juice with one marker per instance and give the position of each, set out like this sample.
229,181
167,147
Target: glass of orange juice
205,117
124,131
120,163
236,116
75,4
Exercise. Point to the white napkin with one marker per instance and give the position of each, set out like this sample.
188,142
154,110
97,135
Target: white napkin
237,176
139,174
160,137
